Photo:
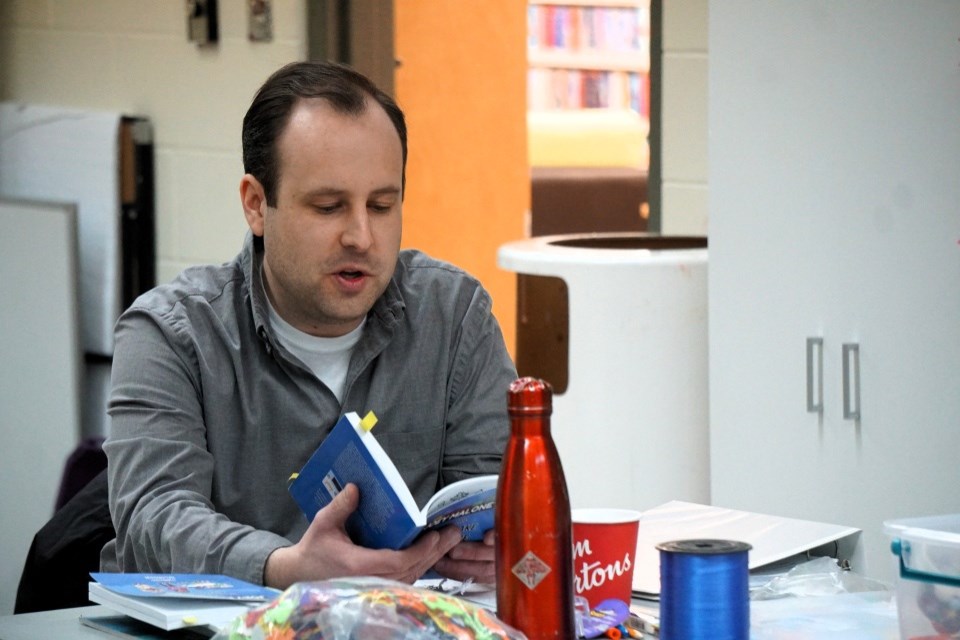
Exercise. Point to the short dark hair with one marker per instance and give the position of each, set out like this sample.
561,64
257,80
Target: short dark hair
343,88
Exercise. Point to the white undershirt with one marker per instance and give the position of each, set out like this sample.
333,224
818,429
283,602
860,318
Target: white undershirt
327,358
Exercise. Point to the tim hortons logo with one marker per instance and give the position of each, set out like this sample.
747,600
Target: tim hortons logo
590,575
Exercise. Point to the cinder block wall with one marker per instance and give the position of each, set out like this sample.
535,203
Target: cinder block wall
133,56
684,142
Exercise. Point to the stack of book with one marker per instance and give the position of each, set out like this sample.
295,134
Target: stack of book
199,602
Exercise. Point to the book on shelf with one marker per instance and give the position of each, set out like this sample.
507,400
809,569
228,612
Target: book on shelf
177,600
561,89
592,54
605,29
388,516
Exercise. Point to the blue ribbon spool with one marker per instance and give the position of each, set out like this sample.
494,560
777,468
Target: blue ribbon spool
704,590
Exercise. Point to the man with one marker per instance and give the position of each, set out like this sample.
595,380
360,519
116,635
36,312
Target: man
227,379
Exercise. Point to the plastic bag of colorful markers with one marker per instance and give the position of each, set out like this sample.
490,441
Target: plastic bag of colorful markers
368,608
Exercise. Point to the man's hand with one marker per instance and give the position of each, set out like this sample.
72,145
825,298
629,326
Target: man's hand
470,560
326,551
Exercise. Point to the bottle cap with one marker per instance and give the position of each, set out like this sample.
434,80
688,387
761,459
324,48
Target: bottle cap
530,395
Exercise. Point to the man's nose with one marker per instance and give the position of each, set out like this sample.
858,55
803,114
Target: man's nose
357,233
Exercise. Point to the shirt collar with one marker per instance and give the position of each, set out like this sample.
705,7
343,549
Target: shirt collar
252,267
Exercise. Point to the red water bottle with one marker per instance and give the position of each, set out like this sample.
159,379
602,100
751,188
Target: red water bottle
534,536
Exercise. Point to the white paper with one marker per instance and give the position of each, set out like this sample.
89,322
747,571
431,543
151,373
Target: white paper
482,595
772,538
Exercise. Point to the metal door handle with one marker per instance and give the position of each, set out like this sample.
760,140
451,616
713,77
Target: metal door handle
851,381
815,375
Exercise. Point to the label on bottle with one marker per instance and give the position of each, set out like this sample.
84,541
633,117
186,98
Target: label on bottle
531,570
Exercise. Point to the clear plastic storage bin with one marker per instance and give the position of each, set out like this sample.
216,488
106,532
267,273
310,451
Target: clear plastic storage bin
927,552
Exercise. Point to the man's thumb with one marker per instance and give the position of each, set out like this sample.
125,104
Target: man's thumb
343,504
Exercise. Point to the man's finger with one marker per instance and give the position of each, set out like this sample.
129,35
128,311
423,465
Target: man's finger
472,551
450,537
343,504
428,549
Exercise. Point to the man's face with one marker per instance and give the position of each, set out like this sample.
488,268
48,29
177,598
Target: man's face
331,242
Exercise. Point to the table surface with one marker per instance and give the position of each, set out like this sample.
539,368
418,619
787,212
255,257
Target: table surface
853,616
64,624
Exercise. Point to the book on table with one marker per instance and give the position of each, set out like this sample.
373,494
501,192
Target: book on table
388,516
177,600
123,626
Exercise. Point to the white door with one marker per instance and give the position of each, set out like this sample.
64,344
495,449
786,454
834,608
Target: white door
835,213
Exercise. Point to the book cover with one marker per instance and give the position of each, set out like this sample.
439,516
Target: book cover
175,601
184,585
388,516
468,504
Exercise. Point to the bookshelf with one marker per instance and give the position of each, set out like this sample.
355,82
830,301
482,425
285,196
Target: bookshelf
588,54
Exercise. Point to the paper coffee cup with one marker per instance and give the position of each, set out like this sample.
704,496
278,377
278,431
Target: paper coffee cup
604,546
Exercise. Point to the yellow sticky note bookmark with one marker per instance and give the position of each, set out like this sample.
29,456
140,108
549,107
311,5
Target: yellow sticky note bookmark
368,421
190,620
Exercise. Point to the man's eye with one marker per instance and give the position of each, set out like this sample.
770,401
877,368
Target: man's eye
381,207
327,208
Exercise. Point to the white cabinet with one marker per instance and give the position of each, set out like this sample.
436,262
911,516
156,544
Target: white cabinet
835,213
40,376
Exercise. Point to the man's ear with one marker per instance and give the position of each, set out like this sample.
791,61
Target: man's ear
254,203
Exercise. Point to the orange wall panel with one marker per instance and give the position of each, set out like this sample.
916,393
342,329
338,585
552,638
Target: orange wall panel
461,80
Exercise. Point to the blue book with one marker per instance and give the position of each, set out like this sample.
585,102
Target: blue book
177,600
388,516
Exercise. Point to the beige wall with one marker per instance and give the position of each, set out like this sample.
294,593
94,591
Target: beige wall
684,132
133,56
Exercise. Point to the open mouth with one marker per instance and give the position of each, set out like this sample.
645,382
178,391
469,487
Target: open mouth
351,275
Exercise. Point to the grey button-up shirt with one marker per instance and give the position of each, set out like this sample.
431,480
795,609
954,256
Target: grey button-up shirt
210,414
